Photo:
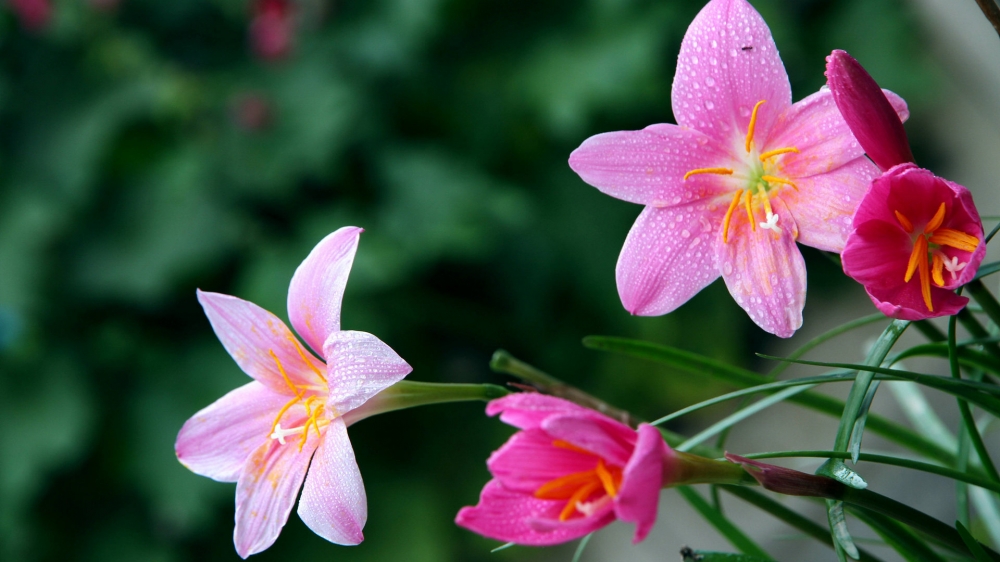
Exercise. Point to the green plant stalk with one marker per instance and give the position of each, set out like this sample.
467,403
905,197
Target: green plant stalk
823,338
930,331
901,539
726,528
963,407
985,299
971,323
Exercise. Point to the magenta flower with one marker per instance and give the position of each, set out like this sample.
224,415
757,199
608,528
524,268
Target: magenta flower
742,176
567,473
916,237
293,418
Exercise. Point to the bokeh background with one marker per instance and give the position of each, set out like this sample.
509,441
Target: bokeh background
148,148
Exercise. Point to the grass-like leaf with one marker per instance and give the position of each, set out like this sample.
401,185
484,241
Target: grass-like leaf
978,552
726,528
901,539
740,415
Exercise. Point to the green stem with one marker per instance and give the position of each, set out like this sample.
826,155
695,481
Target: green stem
930,331
963,407
976,330
985,299
409,394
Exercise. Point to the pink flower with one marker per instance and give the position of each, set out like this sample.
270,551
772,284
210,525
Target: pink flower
272,29
34,14
742,176
293,418
568,472
916,237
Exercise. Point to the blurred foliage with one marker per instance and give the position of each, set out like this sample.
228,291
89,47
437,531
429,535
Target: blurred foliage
146,150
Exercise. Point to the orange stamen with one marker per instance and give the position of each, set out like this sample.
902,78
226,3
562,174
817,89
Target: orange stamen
937,266
925,279
720,171
777,151
904,222
729,216
753,124
576,498
767,201
302,354
955,239
563,487
281,412
782,181
753,222
281,368
918,254
607,480
935,222
567,445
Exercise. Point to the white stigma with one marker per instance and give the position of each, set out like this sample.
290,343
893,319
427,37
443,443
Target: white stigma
590,508
953,266
280,434
772,224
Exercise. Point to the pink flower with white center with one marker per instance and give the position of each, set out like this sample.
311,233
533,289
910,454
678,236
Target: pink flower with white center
743,175
917,237
567,473
292,419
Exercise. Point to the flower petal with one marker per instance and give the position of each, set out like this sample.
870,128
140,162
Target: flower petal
333,500
667,258
611,440
530,459
359,366
510,516
251,334
765,272
639,495
527,410
867,112
815,127
317,288
266,491
648,166
217,441
728,62
824,205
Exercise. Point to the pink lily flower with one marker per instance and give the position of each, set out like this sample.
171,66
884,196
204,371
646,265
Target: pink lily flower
292,419
568,472
743,175
916,237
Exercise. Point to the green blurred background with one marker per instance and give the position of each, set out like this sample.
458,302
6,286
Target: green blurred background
148,148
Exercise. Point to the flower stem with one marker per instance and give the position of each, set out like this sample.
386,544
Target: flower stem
985,299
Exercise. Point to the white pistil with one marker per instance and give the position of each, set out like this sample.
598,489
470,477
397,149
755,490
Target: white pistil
280,434
953,266
590,508
772,223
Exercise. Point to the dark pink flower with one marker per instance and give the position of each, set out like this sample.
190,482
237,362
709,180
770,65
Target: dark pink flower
34,14
568,472
272,29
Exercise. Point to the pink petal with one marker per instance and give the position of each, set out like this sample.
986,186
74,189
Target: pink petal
250,334
529,459
359,366
217,441
611,440
728,62
765,273
648,166
816,128
516,517
639,495
667,258
317,287
867,111
908,304
333,500
824,205
527,410
266,491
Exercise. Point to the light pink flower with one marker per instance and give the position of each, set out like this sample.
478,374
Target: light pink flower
742,176
568,472
916,237
293,418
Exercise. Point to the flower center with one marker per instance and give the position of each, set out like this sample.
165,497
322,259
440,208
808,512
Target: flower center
927,248
757,180
598,485
314,405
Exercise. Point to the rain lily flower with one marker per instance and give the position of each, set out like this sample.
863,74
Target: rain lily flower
731,188
568,472
290,423
916,237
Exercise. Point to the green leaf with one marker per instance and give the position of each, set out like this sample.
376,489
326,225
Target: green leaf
689,555
838,528
823,338
974,547
859,424
901,539
581,546
740,415
731,532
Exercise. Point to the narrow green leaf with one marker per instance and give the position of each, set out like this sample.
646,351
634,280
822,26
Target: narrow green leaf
988,510
731,532
988,269
901,539
920,414
825,337
859,424
985,299
740,415
502,547
974,547
706,556
581,546
838,528
963,407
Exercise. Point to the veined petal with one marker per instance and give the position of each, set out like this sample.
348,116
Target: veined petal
217,441
527,410
510,516
765,272
639,495
907,303
816,128
648,166
317,288
530,459
333,500
359,366
266,491
728,62
611,440
251,334
668,257
824,205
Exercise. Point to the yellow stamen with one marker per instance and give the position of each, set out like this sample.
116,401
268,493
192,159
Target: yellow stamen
925,279
288,381
746,200
729,216
607,480
956,239
576,498
918,254
777,151
767,201
720,171
306,359
936,221
782,181
281,412
563,487
904,222
937,266
753,124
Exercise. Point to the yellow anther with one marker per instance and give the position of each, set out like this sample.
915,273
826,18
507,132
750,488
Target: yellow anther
607,480
284,375
776,152
937,267
780,181
936,221
305,358
956,239
749,206
753,124
729,216
719,171
904,222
